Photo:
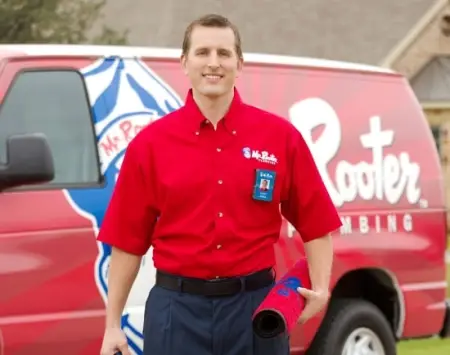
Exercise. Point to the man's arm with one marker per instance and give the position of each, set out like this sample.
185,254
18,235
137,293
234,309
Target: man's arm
320,259
123,269
319,253
307,205
127,228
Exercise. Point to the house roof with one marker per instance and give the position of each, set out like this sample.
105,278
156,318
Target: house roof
362,31
432,83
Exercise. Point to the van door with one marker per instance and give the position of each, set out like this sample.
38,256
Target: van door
49,301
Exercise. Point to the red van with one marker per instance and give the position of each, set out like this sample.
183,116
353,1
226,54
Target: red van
67,114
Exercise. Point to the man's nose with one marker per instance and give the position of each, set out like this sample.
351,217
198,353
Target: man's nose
213,60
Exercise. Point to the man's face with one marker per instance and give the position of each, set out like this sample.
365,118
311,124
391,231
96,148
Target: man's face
212,63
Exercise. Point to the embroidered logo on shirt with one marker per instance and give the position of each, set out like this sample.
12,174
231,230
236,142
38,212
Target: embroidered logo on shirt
264,156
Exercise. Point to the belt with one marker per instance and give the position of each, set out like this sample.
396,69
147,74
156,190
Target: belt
216,287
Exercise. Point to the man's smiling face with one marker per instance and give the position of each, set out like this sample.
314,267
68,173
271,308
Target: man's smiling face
212,63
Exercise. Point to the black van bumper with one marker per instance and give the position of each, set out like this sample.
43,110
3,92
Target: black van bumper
445,332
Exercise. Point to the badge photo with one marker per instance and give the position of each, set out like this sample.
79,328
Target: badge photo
264,185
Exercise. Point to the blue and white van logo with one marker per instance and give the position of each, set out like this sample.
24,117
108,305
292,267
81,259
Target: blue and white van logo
125,96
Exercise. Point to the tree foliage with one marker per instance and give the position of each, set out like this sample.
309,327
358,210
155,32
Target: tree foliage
56,21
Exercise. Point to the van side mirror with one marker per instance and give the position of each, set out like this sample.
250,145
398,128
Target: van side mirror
29,161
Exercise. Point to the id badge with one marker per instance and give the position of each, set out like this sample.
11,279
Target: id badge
264,184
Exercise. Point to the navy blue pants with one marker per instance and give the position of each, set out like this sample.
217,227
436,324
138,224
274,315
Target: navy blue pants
184,324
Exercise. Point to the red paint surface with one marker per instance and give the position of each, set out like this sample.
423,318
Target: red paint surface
50,303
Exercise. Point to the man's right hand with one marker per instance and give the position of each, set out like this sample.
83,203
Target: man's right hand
114,341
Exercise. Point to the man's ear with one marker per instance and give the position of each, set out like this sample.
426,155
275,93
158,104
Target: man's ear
183,60
240,66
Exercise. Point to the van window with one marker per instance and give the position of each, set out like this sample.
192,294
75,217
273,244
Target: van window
53,103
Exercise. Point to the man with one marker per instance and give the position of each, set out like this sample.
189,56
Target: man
189,188
264,185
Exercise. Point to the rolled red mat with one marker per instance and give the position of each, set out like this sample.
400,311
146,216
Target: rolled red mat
279,312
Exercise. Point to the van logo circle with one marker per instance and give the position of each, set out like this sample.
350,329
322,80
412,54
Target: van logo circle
125,96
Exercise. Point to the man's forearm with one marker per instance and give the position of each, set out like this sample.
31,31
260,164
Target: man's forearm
319,253
123,270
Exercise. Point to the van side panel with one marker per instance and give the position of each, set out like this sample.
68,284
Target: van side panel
390,199
47,300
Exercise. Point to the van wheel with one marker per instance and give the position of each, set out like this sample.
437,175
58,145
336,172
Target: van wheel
353,327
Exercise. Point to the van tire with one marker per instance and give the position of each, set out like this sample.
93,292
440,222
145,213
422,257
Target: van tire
345,316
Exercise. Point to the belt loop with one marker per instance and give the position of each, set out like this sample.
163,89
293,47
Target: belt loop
180,285
242,279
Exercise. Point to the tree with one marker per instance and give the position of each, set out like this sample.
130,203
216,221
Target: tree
56,21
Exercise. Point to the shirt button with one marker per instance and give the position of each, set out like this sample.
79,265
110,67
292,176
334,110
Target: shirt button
220,182
234,133
197,133
219,246
219,150
220,214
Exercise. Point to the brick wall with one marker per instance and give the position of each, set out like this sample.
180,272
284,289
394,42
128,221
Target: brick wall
444,142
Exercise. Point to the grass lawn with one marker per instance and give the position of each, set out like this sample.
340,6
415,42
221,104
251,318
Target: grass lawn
425,347
429,346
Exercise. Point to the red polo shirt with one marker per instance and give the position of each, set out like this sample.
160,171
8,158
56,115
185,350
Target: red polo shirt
187,190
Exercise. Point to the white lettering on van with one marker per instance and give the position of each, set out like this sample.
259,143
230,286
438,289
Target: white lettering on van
377,224
365,224
392,223
346,227
385,177
407,222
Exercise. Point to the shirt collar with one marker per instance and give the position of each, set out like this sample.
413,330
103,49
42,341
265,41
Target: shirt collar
196,120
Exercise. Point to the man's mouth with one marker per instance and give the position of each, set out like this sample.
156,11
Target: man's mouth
213,76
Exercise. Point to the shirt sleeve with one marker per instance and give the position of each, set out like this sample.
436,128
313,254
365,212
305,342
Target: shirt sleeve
306,203
131,214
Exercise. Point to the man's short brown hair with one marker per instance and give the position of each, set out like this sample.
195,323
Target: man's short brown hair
212,20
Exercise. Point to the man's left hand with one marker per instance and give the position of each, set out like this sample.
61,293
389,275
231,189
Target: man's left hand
315,302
